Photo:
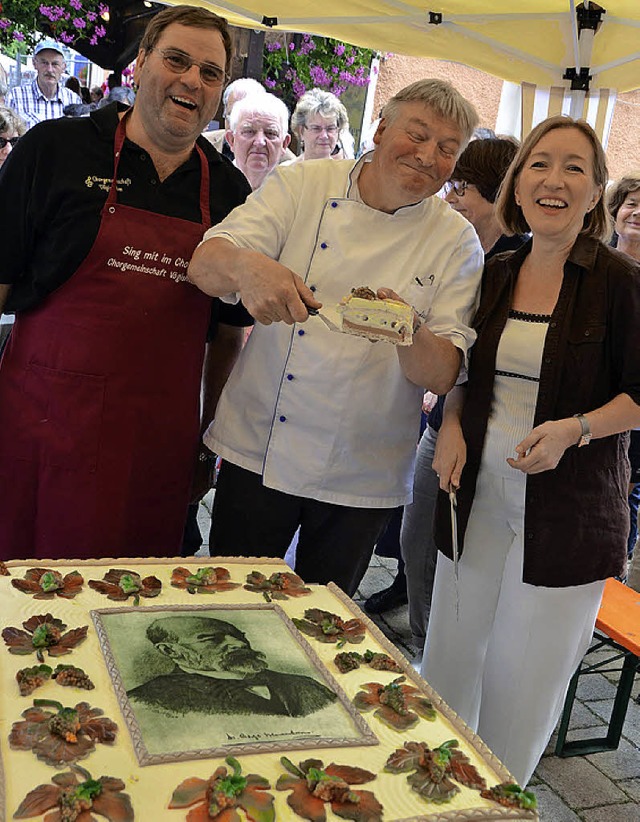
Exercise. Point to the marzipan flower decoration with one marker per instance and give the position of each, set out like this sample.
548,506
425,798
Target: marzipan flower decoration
435,770
43,633
351,660
219,796
4,571
397,705
76,795
45,584
327,627
206,580
31,678
61,736
280,585
312,786
119,584
511,796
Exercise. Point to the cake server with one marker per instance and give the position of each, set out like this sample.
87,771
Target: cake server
314,312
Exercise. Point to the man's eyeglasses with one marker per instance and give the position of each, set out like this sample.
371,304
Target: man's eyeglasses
320,129
179,63
5,140
457,186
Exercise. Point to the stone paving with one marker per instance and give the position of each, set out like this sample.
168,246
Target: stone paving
603,787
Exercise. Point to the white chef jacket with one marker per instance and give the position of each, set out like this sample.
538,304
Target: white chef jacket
331,416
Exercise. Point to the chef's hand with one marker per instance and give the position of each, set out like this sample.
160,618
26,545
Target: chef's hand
273,293
542,449
450,455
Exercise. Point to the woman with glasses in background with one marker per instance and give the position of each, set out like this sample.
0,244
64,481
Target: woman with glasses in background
12,127
472,192
623,203
319,121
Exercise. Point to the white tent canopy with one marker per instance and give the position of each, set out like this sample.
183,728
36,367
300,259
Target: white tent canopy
533,41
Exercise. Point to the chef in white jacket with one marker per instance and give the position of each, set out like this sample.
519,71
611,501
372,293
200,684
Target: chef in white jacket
317,430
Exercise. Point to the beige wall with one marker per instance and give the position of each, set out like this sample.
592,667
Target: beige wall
484,91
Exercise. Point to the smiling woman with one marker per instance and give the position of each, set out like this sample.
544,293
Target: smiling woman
624,206
554,368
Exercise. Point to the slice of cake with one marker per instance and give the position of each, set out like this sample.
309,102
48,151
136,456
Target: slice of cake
364,315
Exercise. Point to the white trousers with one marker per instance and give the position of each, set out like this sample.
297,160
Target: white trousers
505,661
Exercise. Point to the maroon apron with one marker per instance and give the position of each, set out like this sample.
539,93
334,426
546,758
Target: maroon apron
100,394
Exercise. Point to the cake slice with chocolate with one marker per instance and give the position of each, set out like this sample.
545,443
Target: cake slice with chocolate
364,315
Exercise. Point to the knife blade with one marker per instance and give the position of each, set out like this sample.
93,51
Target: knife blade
453,504
314,312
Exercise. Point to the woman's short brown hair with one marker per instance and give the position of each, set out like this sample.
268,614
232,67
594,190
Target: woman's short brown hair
193,16
484,162
596,222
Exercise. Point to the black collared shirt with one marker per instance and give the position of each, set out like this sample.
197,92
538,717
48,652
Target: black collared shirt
53,187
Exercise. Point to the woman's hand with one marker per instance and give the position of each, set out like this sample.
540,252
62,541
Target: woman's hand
542,449
450,455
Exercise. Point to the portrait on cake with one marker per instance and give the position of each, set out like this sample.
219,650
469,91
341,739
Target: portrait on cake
191,678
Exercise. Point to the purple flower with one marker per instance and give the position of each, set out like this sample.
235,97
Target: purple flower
273,46
292,46
91,16
269,83
319,76
94,40
100,32
76,4
299,87
339,49
334,69
350,60
18,35
102,9
307,47
4,23
79,24
66,38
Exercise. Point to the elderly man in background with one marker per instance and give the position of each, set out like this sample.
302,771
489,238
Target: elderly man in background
318,429
100,380
233,93
46,97
258,135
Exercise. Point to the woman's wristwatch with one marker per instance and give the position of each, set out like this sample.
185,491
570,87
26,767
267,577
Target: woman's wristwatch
585,436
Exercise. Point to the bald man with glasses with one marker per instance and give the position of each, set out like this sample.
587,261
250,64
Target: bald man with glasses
100,380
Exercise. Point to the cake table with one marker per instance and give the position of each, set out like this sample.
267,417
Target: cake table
151,666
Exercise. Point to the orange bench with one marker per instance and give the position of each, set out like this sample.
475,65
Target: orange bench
617,628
